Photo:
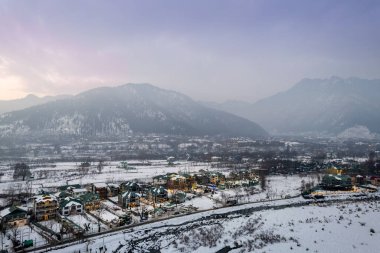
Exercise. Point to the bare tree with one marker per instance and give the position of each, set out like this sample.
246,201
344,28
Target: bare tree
84,168
14,232
100,166
11,194
21,170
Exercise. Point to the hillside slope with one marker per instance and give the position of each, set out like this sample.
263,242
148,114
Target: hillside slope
124,110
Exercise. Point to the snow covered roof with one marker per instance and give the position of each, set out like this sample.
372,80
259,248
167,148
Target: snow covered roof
158,190
130,194
89,197
69,202
43,198
80,190
10,210
175,177
5,212
66,187
100,185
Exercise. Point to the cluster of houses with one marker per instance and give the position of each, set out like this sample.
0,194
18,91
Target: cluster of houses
76,199
337,179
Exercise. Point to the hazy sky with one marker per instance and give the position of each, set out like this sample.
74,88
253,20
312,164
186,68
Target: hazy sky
209,50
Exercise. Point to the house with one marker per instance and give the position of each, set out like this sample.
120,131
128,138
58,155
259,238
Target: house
68,206
358,180
62,195
77,192
129,199
334,171
190,182
170,160
336,182
178,197
69,187
101,189
202,179
90,201
177,182
157,194
14,216
113,190
217,178
130,186
160,180
375,180
45,207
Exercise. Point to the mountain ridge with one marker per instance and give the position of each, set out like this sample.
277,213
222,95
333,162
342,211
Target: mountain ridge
317,106
125,110
26,102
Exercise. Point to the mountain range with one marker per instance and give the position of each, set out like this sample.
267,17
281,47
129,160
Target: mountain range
122,111
343,107
333,106
26,102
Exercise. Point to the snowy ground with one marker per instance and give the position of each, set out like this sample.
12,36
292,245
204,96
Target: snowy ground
106,216
340,227
58,174
52,225
277,187
87,221
276,230
337,228
29,234
22,233
201,203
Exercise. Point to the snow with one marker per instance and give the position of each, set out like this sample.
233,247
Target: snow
52,224
63,173
277,187
105,215
84,220
339,228
201,203
24,233
283,189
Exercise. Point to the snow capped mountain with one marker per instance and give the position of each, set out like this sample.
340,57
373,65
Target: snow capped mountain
317,106
123,110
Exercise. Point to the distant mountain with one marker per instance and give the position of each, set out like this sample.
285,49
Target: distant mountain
26,102
123,110
240,108
333,106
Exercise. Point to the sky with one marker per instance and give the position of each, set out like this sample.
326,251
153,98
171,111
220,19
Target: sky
212,50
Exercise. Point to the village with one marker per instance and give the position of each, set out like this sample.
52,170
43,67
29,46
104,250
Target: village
69,210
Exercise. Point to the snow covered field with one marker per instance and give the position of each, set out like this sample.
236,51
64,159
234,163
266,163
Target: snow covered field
335,227
22,233
277,187
292,229
87,222
106,216
58,174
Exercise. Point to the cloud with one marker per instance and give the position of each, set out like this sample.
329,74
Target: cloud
11,86
210,50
